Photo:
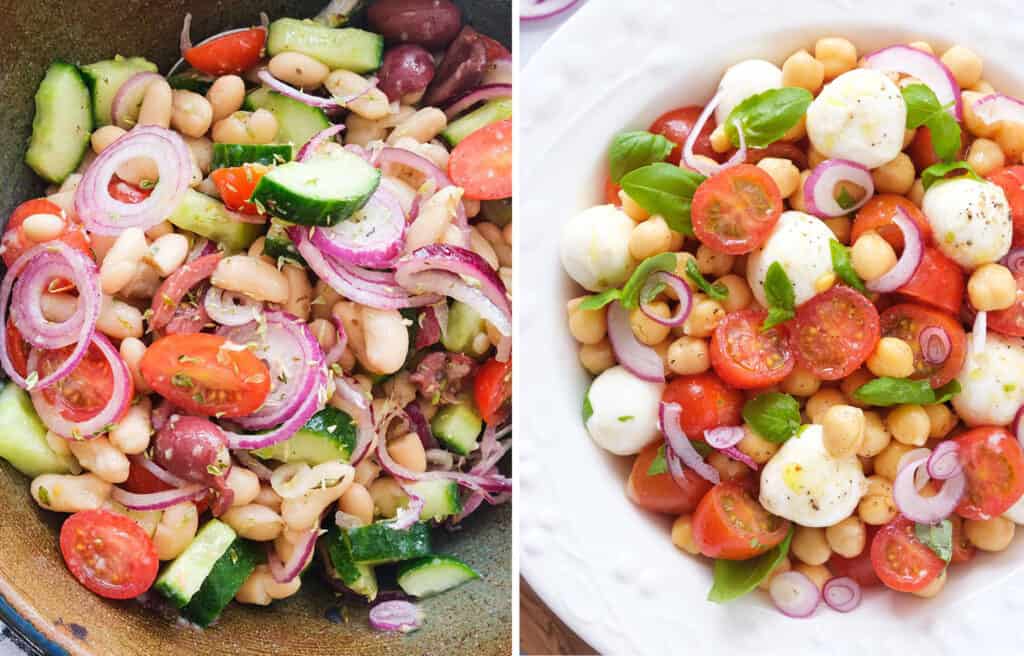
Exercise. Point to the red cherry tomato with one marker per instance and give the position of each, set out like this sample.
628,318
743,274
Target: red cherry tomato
858,568
660,492
922,151
492,389
109,554
907,321
938,281
141,481
1011,320
15,242
735,210
482,162
994,465
1011,179
17,348
126,192
729,523
232,53
676,125
835,332
706,402
901,561
236,185
80,395
963,550
495,49
746,356
781,150
878,213
611,192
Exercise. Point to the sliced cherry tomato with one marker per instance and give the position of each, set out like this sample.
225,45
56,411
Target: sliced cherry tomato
482,162
141,481
900,560
492,389
780,149
126,192
907,320
735,210
706,402
660,492
1011,179
80,395
197,374
835,332
232,53
938,281
611,192
746,356
922,151
994,465
17,348
878,213
729,523
1011,320
963,550
109,553
236,185
858,568
15,242
676,125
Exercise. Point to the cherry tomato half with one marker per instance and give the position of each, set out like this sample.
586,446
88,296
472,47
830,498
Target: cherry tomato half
729,523
676,125
15,242
108,553
141,481
706,402
231,53
878,213
1011,320
1011,179
835,332
963,550
85,391
901,561
735,210
907,321
482,162
17,348
858,568
994,466
236,185
746,356
126,192
611,192
660,492
938,282
492,388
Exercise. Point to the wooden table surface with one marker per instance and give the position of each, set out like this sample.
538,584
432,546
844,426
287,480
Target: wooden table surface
541,633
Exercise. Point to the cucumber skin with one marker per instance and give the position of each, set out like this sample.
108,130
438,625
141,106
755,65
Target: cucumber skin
97,77
292,35
441,499
359,578
339,444
280,201
228,574
297,123
232,155
168,588
408,570
491,111
277,244
37,156
191,81
23,436
209,218
379,543
460,413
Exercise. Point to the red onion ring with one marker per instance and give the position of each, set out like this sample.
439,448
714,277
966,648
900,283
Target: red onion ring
396,615
247,461
641,360
926,510
373,237
935,344
334,355
739,456
102,213
158,500
349,397
841,593
705,168
481,93
420,424
1014,260
410,514
175,286
157,471
289,91
910,259
430,171
185,40
820,187
925,67
314,402
794,594
286,572
682,290
538,9
944,462
124,110
997,108
979,333
202,247
921,476
230,308
320,138
679,443
723,437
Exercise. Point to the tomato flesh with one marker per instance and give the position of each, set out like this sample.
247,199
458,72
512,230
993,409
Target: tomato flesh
109,554
963,550
15,243
900,560
735,210
482,162
907,321
1011,179
706,402
232,53
17,348
492,389
660,492
236,185
878,213
126,192
938,282
676,126
729,523
1011,320
80,395
835,332
747,357
994,466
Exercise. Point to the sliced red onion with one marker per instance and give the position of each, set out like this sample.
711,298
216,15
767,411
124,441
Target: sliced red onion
926,510
105,215
348,396
396,615
641,360
997,107
124,110
704,167
334,355
820,187
185,40
420,425
372,237
430,172
168,297
410,513
1014,260
202,247
230,308
739,456
841,593
158,500
923,66
935,344
313,404
682,290
913,249
538,9
794,594
944,462
979,334
295,94
116,406
485,92
157,471
246,460
285,572
320,138
679,443
1017,427
461,274
723,437
921,476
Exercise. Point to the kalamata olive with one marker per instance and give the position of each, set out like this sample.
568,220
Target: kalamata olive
429,23
196,450
461,70
407,69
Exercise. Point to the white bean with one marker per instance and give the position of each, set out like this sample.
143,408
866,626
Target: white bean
119,264
437,154
191,113
251,276
254,522
143,284
361,131
386,340
201,150
101,245
140,171
118,319
132,433
422,126
483,248
435,216
105,136
64,200
70,494
303,512
300,292
298,70
59,307
226,95
176,530
71,182
148,520
372,104
245,485
101,458
132,351
167,253
260,588
42,227
156,105
269,498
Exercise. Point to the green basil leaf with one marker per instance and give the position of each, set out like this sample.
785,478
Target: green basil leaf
924,109
631,290
844,199
773,415
659,465
780,295
767,116
775,317
843,266
588,410
947,391
922,104
648,294
734,578
631,150
598,301
717,291
937,537
664,189
945,134
937,172
702,448
898,391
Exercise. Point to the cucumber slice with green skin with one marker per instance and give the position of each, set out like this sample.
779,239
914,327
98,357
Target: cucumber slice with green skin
230,155
319,192
192,80
457,426
185,575
464,324
354,50
379,543
296,123
62,124
357,577
440,499
278,244
425,577
491,111
220,587
106,77
209,218
329,435
23,436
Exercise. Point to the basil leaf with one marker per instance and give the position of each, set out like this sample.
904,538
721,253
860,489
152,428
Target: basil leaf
717,291
938,172
922,104
780,295
631,150
588,410
773,415
659,465
843,266
947,391
898,391
924,109
598,301
703,449
945,133
734,578
631,290
844,199
775,317
937,537
767,116
664,189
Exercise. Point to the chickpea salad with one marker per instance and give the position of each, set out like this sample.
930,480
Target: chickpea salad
804,312
262,316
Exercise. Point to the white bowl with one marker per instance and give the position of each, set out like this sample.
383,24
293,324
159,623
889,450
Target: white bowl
606,568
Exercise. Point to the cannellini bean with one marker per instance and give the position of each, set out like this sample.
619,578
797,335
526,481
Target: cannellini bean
304,511
226,95
141,172
298,70
260,588
361,131
105,136
59,307
259,127
254,522
147,520
483,248
324,299
119,265
157,104
133,432
358,503
386,340
435,216
300,292
101,458
176,529
367,472
422,126
191,113
101,245
372,104
159,230
267,497
132,350
245,485
143,284
167,253
71,182
59,446
118,319
70,494
408,452
201,150
251,276
42,227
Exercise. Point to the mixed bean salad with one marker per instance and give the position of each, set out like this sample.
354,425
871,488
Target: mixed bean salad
804,319
262,315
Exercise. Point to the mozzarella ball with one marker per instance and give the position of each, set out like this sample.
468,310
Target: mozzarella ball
970,220
625,411
859,116
745,79
595,247
806,484
799,243
992,381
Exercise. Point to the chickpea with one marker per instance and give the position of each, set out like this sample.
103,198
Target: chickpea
877,507
796,199
941,420
887,463
647,330
756,447
909,424
852,383
704,318
933,588
650,237
1010,137
630,207
595,358
824,282
713,263
688,355
191,113
587,326
876,436
226,95
728,468
992,534
892,357
872,256
783,172
682,259
720,141
923,46
895,176
916,193
974,123
837,55
804,71
682,535
819,574
298,70
809,545
784,566
964,64
992,287
843,430
821,401
847,538
841,227
739,295
801,382
985,156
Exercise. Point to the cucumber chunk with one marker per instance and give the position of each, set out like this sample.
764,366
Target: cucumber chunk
180,580
209,218
457,426
220,587
317,192
296,123
352,49
491,111
328,435
230,155
464,324
440,499
191,80
357,577
379,543
23,436
425,577
106,77
62,124
279,244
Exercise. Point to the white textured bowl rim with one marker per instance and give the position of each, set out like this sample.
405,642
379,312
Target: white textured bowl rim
607,569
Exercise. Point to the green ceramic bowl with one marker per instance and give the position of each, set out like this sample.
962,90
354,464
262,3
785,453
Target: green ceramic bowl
38,597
